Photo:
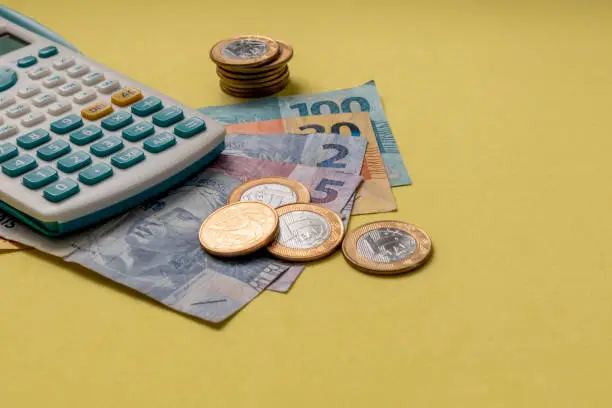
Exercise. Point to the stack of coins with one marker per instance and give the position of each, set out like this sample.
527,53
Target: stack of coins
251,66
276,213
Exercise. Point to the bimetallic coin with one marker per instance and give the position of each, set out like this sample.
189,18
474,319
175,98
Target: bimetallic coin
245,50
225,74
284,56
387,247
274,191
306,232
239,228
254,92
258,83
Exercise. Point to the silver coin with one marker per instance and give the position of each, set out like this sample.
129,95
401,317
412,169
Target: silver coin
244,49
386,245
272,194
303,230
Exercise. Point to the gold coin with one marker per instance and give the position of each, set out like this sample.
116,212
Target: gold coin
258,92
242,76
245,50
239,228
274,191
249,85
284,56
253,80
306,232
386,247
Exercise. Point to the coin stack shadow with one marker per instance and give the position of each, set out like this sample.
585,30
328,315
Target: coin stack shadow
264,77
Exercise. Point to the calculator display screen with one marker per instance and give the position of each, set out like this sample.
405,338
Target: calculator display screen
9,42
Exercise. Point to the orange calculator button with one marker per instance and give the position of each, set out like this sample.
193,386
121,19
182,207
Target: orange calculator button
126,96
97,110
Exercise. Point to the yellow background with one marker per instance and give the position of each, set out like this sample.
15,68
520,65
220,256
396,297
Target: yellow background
501,110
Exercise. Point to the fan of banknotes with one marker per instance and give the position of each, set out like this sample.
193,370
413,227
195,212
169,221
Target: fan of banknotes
295,169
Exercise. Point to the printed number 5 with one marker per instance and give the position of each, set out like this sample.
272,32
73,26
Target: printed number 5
330,194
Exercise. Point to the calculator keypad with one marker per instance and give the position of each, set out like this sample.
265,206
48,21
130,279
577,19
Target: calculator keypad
84,144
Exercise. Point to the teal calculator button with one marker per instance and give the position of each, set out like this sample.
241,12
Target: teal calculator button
168,116
40,177
33,139
76,161
190,127
66,124
19,165
159,142
47,52
26,61
128,158
61,190
147,106
138,131
117,120
95,174
7,151
54,150
88,134
8,78
107,146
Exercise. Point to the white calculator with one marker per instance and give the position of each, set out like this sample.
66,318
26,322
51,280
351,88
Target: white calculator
80,142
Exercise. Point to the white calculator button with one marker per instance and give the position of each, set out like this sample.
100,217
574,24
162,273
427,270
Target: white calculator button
7,130
78,70
6,100
63,62
69,88
17,111
84,97
32,119
58,108
28,91
43,99
39,72
109,86
93,78
54,81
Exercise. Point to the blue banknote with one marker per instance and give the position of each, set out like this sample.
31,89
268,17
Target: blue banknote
361,98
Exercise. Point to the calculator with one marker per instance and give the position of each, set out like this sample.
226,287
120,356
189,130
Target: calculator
80,142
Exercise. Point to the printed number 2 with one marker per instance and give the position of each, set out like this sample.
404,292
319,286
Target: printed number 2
331,162
330,194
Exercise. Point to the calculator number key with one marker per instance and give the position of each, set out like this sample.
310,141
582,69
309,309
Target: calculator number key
95,174
66,124
107,146
33,139
61,190
86,135
54,150
76,161
40,177
19,165
159,143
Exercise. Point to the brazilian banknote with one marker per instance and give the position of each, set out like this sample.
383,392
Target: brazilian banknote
363,98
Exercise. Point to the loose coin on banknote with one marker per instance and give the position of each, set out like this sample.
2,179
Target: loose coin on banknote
306,232
386,247
239,228
274,191
245,50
